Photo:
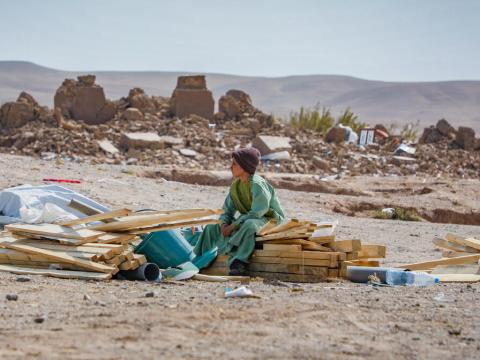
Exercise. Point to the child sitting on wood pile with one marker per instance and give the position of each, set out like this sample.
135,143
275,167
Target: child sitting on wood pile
256,201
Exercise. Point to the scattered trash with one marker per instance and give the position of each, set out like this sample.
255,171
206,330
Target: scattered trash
440,297
241,291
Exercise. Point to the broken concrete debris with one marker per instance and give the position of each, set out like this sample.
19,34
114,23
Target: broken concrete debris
30,129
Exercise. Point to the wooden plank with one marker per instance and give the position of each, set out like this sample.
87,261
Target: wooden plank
280,247
322,239
458,277
66,248
140,258
364,262
283,236
296,254
283,227
57,239
470,242
63,274
370,251
456,269
269,225
97,217
213,278
308,262
140,221
58,256
426,265
352,256
287,277
445,244
333,273
289,269
112,238
127,265
55,230
176,225
310,245
345,245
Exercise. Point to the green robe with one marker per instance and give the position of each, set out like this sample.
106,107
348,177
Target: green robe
256,202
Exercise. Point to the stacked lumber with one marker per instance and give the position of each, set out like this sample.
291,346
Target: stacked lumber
86,249
459,262
304,251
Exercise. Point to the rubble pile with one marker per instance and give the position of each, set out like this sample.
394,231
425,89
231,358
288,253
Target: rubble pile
146,130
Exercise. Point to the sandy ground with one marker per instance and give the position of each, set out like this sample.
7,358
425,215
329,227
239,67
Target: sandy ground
115,320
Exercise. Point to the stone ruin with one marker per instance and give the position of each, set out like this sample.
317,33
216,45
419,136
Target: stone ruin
84,100
154,130
191,97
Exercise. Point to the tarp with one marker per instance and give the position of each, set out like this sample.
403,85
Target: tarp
42,203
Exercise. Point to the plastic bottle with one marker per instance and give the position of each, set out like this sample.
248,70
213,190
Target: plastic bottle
414,278
395,277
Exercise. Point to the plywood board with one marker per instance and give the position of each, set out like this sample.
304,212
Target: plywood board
64,274
449,245
97,217
58,256
140,221
177,225
55,230
470,242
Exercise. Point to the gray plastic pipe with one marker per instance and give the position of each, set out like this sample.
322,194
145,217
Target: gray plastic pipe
147,271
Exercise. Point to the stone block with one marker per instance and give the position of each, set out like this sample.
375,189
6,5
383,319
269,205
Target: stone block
140,140
466,138
192,102
271,144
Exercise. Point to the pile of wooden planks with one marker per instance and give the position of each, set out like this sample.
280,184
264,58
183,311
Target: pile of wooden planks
303,251
86,249
459,262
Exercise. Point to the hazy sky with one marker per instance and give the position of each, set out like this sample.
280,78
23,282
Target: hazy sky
401,40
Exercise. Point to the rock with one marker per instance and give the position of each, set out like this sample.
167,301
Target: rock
188,153
200,120
171,141
132,114
466,138
16,114
83,100
139,100
336,134
191,97
107,146
431,135
192,82
149,294
12,297
87,297
40,319
23,279
234,103
27,98
271,144
320,163
140,140
445,128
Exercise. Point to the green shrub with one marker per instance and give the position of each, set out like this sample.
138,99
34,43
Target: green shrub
312,119
348,118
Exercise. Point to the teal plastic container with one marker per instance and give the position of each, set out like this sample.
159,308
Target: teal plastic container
166,248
